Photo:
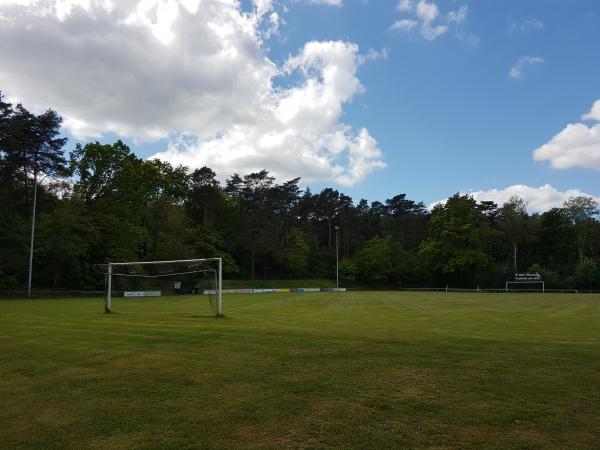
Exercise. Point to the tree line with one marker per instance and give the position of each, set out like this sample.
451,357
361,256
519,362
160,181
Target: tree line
102,203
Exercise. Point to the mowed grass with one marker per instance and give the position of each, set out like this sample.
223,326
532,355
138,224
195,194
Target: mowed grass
303,370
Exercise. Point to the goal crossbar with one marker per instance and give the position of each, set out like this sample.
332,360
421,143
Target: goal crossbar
218,271
164,262
164,274
525,282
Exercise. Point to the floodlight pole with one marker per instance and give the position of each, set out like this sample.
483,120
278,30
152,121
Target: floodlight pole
220,290
337,257
35,185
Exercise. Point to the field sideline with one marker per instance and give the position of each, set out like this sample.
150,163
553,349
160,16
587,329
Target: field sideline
303,370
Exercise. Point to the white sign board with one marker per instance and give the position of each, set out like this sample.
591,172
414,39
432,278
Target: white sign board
528,276
142,293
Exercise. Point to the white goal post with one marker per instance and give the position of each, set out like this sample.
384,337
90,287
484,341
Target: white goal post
155,270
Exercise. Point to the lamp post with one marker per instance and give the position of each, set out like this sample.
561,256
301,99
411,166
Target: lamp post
337,257
35,185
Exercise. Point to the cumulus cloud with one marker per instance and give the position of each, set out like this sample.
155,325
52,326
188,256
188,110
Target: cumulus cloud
577,145
138,71
594,113
538,199
516,71
299,130
195,72
427,12
425,17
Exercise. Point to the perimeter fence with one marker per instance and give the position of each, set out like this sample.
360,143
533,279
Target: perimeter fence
501,290
50,294
447,289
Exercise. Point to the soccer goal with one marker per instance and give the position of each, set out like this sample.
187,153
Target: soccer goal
525,286
525,281
167,280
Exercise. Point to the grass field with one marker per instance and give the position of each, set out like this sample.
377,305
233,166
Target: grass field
320,370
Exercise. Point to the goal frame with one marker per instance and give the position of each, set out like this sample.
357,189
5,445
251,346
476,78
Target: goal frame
109,274
525,282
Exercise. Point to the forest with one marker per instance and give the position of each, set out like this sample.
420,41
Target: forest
99,202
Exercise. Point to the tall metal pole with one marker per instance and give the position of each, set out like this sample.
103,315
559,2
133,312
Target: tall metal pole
220,292
337,257
32,235
108,306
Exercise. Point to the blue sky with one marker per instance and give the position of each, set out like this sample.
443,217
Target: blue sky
446,113
448,95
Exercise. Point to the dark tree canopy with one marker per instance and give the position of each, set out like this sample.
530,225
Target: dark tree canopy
32,143
111,205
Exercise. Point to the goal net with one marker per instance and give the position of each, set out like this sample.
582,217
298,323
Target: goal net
164,280
525,286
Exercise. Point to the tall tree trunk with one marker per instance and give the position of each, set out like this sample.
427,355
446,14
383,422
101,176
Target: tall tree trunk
515,256
252,264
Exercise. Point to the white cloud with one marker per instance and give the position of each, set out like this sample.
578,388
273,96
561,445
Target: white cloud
427,20
427,12
337,3
193,71
527,25
577,145
404,5
299,131
458,16
404,25
516,71
538,199
594,113
129,71
372,55
430,32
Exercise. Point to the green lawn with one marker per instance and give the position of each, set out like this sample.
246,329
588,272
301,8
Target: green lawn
299,370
